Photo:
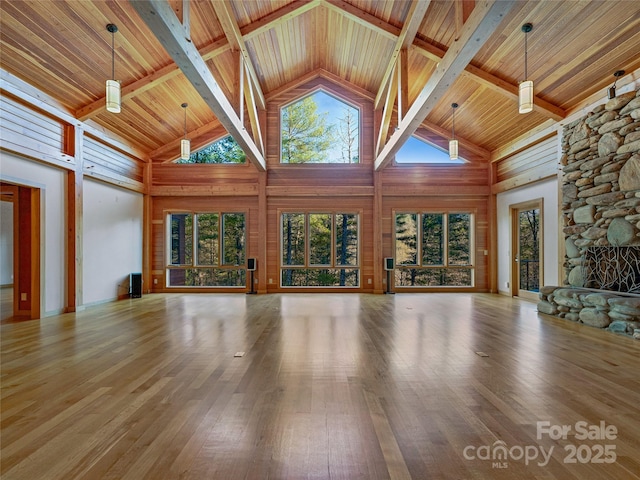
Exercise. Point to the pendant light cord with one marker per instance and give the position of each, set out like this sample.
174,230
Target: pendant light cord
453,121
526,34
113,55
185,105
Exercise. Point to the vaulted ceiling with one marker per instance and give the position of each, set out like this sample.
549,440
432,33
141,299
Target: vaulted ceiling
450,51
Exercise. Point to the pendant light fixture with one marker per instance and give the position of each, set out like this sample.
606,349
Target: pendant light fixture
525,98
113,86
611,91
185,144
453,143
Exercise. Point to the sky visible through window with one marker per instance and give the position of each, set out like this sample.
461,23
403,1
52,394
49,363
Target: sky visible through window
335,110
417,151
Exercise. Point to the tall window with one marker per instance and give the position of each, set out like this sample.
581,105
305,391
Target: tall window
434,249
319,128
320,250
206,250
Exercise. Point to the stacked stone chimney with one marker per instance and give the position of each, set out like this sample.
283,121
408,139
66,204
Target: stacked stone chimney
600,208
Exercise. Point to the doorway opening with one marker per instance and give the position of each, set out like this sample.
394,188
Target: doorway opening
527,249
20,252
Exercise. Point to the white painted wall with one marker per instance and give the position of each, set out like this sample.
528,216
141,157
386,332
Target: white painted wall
52,185
6,243
548,191
112,240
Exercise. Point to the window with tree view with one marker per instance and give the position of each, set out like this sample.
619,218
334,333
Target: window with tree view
206,250
320,250
319,128
225,150
434,249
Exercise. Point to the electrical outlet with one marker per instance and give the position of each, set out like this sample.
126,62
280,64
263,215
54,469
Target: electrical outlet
23,297
486,252
155,281
369,281
270,280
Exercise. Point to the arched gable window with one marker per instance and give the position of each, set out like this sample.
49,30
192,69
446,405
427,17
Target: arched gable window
417,151
319,128
225,150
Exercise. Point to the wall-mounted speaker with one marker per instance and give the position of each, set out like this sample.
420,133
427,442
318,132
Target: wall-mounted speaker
135,285
388,263
251,264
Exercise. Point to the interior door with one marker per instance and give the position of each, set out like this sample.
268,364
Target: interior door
527,248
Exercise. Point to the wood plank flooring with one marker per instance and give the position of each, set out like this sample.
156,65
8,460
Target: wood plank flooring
329,387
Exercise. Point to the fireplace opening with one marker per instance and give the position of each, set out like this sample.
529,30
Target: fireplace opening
616,269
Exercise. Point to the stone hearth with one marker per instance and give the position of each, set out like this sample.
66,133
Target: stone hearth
600,208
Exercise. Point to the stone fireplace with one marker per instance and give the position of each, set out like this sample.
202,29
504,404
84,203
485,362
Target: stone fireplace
601,219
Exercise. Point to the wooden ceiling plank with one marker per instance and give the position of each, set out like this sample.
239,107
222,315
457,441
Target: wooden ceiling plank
320,72
214,131
483,21
232,31
533,136
503,87
146,83
164,24
363,18
409,30
465,144
491,81
284,14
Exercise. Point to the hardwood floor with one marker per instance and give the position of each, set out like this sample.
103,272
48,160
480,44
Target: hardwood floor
330,386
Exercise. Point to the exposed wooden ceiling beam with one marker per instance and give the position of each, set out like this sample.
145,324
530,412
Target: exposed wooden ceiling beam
283,14
531,137
491,81
232,31
484,20
362,18
416,14
164,24
462,10
146,83
20,89
385,121
436,54
465,145
213,131
320,72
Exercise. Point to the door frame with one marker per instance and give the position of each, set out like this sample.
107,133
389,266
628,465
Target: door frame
514,271
31,195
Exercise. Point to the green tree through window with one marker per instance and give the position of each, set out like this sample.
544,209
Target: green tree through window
320,249
225,150
440,255
207,250
320,129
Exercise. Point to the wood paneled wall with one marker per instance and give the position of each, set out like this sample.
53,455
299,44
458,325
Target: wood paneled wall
31,133
320,188
535,163
105,163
